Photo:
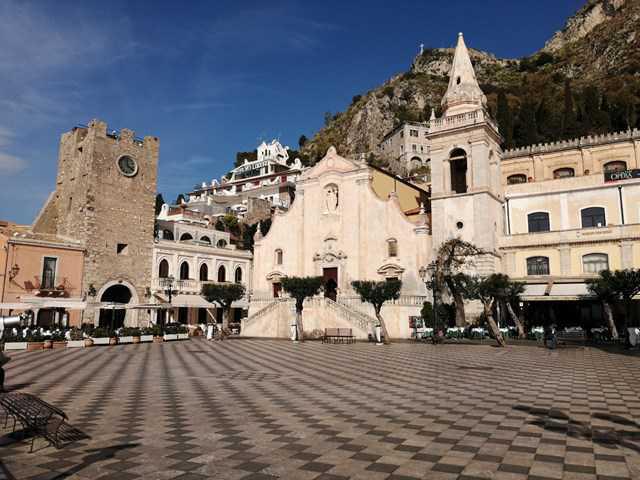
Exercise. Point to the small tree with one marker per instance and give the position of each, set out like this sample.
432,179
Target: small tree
223,294
377,293
623,285
512,292
426,312
488,290
602,288
452,256
301,288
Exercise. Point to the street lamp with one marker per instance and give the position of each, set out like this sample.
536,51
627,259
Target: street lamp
169,291
429,276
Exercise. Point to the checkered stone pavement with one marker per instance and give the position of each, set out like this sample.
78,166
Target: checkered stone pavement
259,409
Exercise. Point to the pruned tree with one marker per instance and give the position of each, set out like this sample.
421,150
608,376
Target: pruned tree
489,290
602,288
377,293
452,256
301,288
224,294
622,286
512,292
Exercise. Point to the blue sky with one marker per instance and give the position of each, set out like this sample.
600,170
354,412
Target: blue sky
214,77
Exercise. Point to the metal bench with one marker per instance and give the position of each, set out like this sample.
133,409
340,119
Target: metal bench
338,335
37,417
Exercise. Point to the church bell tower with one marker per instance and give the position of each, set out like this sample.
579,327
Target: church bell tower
465,160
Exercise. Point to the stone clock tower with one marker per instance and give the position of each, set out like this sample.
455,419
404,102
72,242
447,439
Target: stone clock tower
105,198
465,160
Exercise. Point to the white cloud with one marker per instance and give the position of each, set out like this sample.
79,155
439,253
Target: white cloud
6,136
10,164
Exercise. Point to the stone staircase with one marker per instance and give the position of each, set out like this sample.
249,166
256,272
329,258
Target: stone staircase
358,319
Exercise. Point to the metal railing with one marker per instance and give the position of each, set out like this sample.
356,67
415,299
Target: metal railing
354,317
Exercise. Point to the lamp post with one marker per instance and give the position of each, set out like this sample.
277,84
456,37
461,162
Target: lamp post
429,276
169,291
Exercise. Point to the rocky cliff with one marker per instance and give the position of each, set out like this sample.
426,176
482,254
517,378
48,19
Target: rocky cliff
599,48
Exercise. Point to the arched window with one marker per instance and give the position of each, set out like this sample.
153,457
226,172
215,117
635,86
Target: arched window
538,266
564,172
206,240
163,269
167,234
458,165
222,274
615,166
185,237
595,262
392,247
222,243
593,217
538,222
278,257
184,271
238,275
204,273
516,178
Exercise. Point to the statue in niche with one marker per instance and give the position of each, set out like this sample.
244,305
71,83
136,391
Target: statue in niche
331,198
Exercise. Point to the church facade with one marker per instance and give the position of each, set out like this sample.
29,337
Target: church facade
341,229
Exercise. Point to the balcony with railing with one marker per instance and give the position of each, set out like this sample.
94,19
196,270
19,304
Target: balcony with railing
460,120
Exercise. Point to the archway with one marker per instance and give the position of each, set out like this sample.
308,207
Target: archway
458,163
113,318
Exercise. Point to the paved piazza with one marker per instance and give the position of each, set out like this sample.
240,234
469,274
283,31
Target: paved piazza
270,409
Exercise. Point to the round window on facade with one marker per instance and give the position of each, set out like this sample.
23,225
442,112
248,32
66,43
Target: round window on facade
460,225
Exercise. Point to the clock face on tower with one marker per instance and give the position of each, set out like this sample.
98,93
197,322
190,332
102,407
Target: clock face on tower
127,166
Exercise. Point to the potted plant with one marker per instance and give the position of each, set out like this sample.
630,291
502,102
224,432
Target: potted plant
59,340
171,332
135,333
127,335
104,336
183,332
15,341
148,334
76,339
35,341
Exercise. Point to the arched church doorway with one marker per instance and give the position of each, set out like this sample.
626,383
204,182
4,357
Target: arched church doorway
114,317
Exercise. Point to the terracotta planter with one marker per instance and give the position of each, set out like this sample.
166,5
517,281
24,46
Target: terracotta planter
47,344
88,342
136,339
33,346
60,344
158,339
113,340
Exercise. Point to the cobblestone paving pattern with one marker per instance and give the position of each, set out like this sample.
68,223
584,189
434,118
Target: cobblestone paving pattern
252,409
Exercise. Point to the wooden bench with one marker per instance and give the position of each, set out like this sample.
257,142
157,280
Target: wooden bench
338,335
37,417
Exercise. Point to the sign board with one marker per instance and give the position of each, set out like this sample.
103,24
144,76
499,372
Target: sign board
622,175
